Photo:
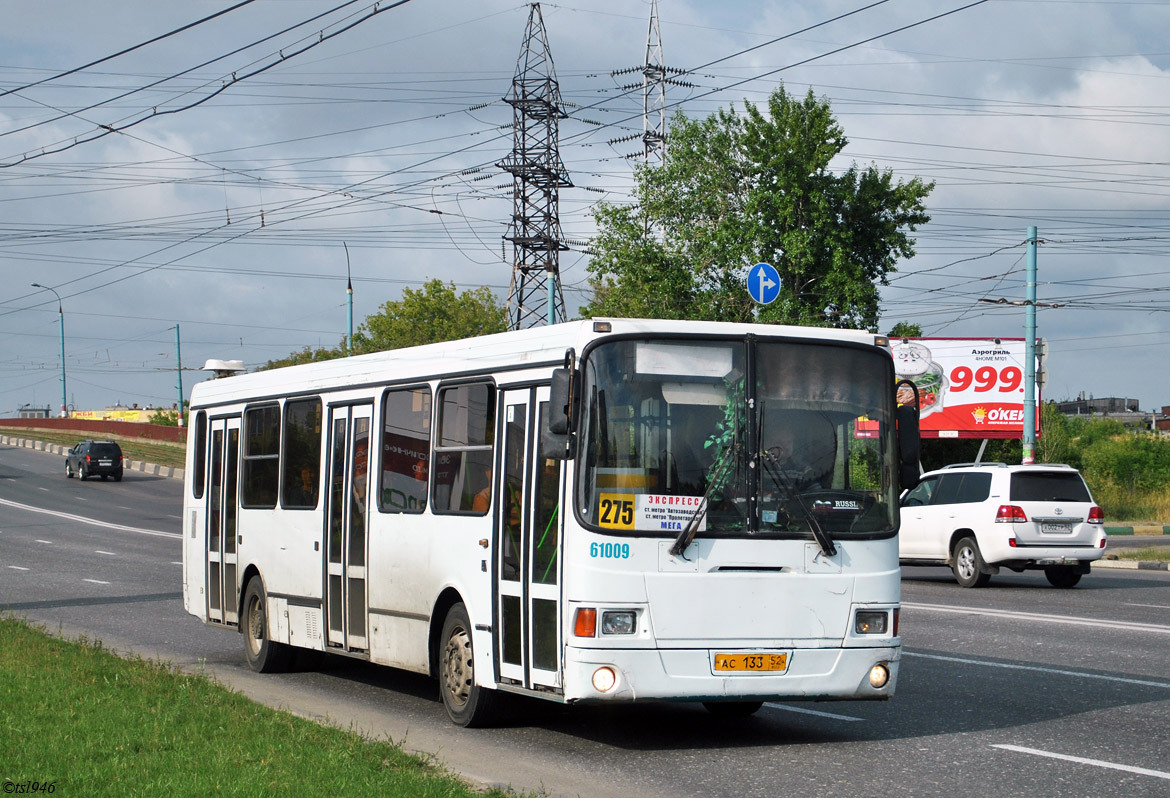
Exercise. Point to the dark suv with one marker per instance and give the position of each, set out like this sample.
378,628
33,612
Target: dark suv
94,458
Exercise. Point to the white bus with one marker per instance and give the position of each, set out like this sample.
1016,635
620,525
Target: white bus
598,511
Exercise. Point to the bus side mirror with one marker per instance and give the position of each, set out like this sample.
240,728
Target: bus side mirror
562,402
557,439
909,437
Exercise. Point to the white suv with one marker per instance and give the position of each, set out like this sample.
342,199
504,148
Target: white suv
977,517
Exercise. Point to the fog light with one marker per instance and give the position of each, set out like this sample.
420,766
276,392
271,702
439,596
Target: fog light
871,622
618,623
878,675
604,679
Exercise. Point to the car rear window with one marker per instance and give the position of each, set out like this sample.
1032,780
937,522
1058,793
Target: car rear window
105,450
1048,486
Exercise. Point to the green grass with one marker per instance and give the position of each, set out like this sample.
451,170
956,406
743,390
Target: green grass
148,451
74,714
1154,553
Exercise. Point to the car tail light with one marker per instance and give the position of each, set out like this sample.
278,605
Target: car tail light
87,458
1096,516
1009,514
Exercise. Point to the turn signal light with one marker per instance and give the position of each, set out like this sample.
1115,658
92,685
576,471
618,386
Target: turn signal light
586,622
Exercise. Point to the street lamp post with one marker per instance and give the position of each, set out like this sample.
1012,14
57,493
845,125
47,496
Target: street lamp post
61,317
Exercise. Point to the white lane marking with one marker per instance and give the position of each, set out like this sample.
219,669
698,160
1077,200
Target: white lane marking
82,520
1128,626
1153,606
107,553
175,516
80,499
17,568
49,542
1036,668
46,490
816,712
95,581
1158,774
174,562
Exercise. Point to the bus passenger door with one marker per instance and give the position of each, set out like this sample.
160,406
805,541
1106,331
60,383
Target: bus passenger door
528,542
345,526
222,511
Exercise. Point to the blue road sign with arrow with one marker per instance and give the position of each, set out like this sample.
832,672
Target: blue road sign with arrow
764,283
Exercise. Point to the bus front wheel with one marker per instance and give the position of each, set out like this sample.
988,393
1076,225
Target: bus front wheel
263,655
467,703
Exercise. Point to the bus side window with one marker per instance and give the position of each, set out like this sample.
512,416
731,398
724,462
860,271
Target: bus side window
261,477
198,478
406,450
463,448
301,460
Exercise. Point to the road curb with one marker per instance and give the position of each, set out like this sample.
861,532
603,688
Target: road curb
1132,565
55,448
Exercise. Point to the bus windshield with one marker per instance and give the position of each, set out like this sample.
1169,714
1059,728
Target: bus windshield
771,437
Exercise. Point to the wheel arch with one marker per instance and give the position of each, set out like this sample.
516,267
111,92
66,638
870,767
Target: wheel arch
443,604
956,536
249,572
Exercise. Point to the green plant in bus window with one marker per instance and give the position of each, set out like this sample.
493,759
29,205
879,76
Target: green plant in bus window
725,440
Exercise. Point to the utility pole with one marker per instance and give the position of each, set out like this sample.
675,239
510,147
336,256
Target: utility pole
179,371
537,177
61,318
1030,353
349,303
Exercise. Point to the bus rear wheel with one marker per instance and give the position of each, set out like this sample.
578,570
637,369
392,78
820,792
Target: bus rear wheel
263,655
467,703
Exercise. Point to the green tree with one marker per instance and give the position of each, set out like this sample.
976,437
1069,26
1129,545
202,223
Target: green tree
1055,444
735,189
430,314
306,355
905,329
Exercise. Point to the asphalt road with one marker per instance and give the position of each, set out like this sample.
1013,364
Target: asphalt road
1014,689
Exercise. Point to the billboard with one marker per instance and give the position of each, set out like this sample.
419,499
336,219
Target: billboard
967,387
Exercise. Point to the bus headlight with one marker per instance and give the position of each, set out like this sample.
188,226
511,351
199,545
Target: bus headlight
871,622
879,675
604,679
619,622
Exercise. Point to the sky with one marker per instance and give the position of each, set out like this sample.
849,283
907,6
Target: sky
221,180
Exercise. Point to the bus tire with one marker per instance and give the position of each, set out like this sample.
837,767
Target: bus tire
467,703
263,655
968,564
733,709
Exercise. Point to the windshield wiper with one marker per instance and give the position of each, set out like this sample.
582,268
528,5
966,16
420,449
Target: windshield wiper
785,484
687,535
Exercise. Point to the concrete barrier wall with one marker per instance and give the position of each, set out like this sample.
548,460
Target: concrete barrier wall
96,429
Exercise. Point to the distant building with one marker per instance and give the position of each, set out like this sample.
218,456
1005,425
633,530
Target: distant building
1117,409
28,411
1106,406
